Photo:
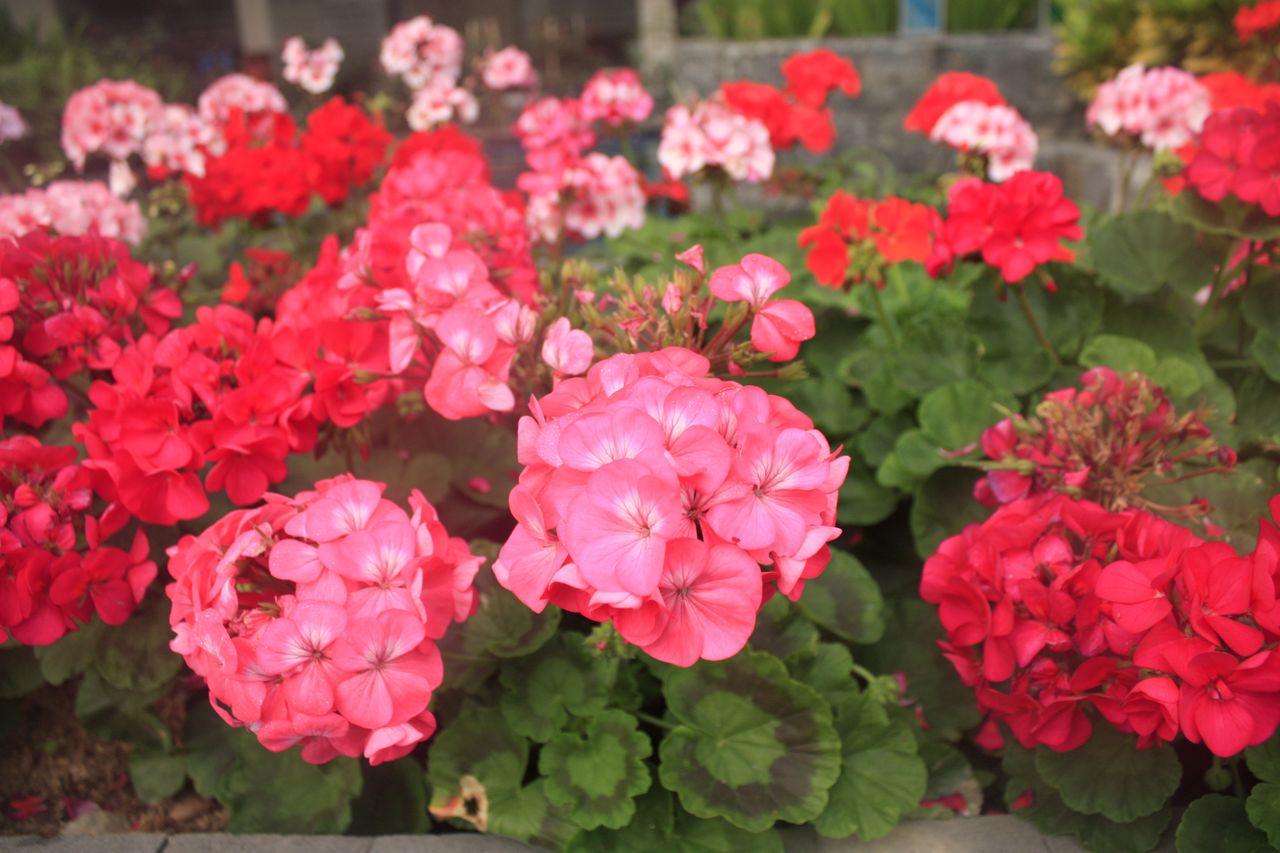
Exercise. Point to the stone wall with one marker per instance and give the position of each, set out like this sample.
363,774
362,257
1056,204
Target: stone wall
895,70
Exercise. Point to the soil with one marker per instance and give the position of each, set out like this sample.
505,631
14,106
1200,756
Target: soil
82,781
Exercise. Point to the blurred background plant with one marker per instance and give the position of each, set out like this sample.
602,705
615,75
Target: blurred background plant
756,19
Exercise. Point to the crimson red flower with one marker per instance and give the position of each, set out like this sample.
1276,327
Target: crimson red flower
1015,226
1239,155
799,113
947,90
1262,17
345,148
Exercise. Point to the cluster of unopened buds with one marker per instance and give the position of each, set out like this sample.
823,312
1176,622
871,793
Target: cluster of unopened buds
652,495
855,239
1108,441
1162,108
1058,611
1015,226
68,307
314,619
56,571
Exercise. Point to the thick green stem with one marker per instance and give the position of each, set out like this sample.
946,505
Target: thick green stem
882,315
657,721
1020,291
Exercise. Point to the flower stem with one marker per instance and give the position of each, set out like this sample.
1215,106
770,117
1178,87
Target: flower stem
1020,291
882,315
657,721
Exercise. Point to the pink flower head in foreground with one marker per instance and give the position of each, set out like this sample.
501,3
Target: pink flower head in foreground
615,96
313,70
314,619
1164,108
509,68
651,494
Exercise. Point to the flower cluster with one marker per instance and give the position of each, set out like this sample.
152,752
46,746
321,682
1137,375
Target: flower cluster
441,101
67,306
258,176
1014,226
1106,441
1239,155
442,177
997,133
651,494
855,239
1163,108
554,132
419,51
178,141
72,208
946,91
49,581
314,619
111,117
509,68
615,96
598,195
1054,606
710,134
255,102
221,391
313,70
798,113
1261,17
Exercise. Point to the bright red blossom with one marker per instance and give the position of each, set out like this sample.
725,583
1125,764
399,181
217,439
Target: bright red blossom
947,90
855,238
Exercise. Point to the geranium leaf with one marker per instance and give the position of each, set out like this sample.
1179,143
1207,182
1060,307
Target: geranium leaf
71,654
1138,253
781,632
1219,824
595,776
1264,759
828,671
393,800
476,744
1263,807
1110,776
942,507
845,600
954,416
156,774
562,678
20,672
863,501
882,777
1119,353
649,829
753,746
1229,216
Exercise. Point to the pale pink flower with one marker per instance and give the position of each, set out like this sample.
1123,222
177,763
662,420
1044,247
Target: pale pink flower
258,100
615,96
12,125
554,133
509,68
110,117
1164,108
713,135
313,70
754,280
441,101
420,51
73,208
179,139
997,132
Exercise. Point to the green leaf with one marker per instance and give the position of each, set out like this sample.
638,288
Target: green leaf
424,470
954,416
882,777
1265,349
19,672
943,506
933,352
949,773
71,654
393,800
1119,353
595,775
829,403
502,627
845,600
1263,808
1012,358
563,678
1109,775
1219,824
136,656
1179,377
877,440
231,766
829,671
863,501
156,774
650,829
713,835
1258,415
1230,216
1264,759
916,456
781,632
1260,301
752,746
1138,253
